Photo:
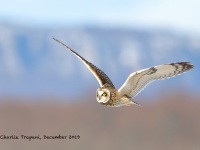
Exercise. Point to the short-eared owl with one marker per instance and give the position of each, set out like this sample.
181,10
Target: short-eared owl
108,95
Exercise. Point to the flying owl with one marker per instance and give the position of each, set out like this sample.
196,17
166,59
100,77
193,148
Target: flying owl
108,95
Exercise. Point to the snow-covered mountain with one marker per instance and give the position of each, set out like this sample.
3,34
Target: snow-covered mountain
32,63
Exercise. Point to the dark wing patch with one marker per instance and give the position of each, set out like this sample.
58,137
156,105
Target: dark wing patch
152,70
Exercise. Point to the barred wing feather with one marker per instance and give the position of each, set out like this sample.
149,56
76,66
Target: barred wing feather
138,80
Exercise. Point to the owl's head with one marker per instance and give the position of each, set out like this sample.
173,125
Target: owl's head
103,95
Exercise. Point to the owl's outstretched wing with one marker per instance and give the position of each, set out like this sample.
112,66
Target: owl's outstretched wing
138,80
100,75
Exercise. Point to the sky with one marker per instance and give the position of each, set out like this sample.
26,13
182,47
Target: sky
173,14
168,14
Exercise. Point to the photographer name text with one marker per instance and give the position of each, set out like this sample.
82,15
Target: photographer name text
39,137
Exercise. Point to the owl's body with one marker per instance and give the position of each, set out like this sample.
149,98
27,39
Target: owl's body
108,95
114,99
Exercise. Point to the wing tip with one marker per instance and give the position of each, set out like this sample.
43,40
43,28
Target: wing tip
186,66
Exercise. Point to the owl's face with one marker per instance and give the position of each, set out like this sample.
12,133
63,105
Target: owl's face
102,95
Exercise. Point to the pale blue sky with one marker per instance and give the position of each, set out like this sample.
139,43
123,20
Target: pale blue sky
175,14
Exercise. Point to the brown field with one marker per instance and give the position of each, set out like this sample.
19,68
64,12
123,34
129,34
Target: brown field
168,123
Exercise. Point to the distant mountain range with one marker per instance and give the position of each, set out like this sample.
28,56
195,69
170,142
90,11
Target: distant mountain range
32,63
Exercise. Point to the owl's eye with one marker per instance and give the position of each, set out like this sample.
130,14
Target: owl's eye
104,94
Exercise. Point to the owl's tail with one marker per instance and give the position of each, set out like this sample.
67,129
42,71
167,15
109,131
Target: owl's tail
135,103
